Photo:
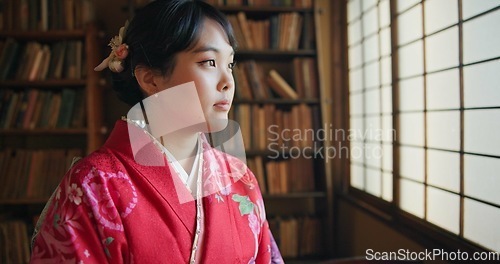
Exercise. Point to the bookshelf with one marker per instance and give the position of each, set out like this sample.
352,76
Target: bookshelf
282,36
50,107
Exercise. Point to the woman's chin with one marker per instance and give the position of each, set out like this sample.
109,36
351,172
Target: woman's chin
216,125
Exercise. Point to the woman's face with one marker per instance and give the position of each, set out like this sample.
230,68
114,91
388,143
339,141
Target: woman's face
209,64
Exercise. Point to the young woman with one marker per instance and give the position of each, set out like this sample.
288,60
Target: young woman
114,207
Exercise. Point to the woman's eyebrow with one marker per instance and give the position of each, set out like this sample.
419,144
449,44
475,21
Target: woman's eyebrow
208,48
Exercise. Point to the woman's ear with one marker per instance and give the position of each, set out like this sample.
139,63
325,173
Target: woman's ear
148,80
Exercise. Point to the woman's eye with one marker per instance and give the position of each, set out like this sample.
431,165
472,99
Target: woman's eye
231,65
210,63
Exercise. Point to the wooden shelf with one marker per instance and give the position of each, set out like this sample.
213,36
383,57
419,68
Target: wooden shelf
264,9
45,131
255,152
303,68
64,100
44,84
53,35
277,101
273,54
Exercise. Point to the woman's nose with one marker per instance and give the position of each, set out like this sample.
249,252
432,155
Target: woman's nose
226,82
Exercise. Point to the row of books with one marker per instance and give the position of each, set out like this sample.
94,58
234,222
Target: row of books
14,242
253,83
26,15
265,127
260,3
33,173
283,176
34,108
297,236
279,32
33,61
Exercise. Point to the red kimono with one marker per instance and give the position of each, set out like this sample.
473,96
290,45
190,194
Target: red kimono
110,209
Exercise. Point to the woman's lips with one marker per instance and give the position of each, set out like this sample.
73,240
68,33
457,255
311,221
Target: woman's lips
223,105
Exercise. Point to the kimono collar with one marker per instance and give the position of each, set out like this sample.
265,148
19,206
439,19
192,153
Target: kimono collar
119,138
158,175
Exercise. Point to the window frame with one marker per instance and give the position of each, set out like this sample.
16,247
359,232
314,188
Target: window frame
390,213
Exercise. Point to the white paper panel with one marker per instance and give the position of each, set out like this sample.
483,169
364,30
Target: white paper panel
354,32
355,56
353,10
410,25
411,129
412,197
443,130
357,152
356,79
370,22
387,186
374,182
442,50
482,131
357,176
387,99
356,104
443,90
411,60
384,11
443,209
371,48
482,224
443,169
482,178
356,127
482,84
412,163
385,65
372,75
373,155
372,101
411,94
482,38
385,42
374,131
367,4
440,14
405,4
387,157
388,132
474,7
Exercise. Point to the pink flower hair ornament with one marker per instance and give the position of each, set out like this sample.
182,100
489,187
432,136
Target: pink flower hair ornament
119,51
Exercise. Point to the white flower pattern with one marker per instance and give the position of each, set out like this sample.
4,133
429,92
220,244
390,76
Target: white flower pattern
74,194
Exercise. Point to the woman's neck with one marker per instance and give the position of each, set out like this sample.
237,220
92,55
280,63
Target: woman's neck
183,147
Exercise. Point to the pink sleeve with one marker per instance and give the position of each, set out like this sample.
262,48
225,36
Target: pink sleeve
68,231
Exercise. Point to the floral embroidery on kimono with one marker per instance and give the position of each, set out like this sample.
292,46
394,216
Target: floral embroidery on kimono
110,209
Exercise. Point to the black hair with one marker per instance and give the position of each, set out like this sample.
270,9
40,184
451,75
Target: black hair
157,33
